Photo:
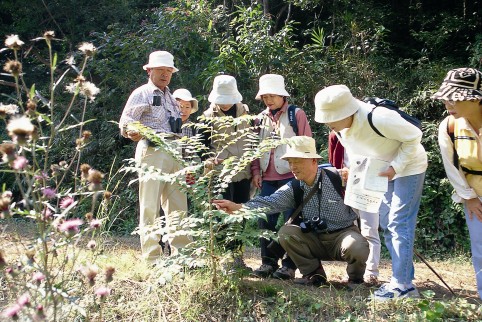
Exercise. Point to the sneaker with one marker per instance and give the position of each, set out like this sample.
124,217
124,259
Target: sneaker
371,280
386,293
316,278
284,273
264,271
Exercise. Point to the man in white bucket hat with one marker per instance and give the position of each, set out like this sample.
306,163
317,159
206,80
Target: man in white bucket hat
338,238
269,173
153,106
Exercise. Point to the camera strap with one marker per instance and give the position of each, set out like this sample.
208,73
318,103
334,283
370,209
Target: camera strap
308,197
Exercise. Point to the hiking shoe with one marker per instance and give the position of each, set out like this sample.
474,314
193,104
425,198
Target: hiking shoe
316,278
264,271
284,273
371,280
387,293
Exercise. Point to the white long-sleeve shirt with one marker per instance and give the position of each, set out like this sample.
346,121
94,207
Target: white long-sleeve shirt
400,147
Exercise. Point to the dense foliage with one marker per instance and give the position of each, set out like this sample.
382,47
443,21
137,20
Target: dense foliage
396,49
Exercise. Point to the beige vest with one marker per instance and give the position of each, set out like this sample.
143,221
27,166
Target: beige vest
225,146
284,131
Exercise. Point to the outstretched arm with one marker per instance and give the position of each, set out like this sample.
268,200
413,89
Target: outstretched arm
227,205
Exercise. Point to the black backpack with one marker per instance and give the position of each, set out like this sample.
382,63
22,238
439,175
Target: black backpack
292,118
391,105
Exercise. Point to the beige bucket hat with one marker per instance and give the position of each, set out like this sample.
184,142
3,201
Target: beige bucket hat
301,147
225,91
334,103
185,95
160,59
272,84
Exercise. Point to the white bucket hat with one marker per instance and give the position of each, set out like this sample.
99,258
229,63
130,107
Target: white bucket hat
160,59
301,147
272,84
225,91
185,95
334,103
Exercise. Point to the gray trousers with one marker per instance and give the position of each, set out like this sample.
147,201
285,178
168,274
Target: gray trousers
308,249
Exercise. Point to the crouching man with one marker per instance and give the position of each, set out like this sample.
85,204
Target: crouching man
325,230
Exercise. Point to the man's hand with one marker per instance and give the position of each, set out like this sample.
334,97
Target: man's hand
390,173
257,181
474,207
134,136
227,205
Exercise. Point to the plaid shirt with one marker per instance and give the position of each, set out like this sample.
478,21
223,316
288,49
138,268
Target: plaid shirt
328,204
139,107
188,129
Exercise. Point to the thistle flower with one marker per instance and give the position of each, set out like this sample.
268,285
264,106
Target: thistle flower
91,244
89,216
20,163
70,227
95,178
49,35
13,42
90,272
41,176
102,292
38,277
9,152
86,135
85,88
13,67
66,202
84,169
24,300
12,312
20,129
40,314
107,195
95,223
87,48
46,214
109,272
48,193
9,109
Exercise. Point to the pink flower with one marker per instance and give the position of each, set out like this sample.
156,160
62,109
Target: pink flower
95,223
71,226
20,163
38,277
46,214
24,300
66,202
12,312
41,176
102,291
48,193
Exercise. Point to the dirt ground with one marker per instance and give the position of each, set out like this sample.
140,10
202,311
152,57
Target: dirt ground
458,273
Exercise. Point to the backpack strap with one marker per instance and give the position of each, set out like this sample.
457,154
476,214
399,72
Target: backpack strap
450,131
292,118
335,179
297,191
370,121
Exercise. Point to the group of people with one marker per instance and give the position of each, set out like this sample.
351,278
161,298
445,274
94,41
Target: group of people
319,225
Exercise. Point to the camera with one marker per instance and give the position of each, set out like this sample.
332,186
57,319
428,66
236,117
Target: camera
156,100
315,224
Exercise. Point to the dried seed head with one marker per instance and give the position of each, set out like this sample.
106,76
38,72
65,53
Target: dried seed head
89,216
109,272
13,67
13,42
86,135
20,129
8,109
107,195
87,48
49,35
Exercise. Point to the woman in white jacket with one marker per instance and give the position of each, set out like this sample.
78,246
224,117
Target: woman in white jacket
399,146
460,144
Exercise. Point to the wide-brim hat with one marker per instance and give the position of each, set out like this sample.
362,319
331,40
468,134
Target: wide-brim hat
160,59
225,91
185,95
272,84
461,84
301,147
335,103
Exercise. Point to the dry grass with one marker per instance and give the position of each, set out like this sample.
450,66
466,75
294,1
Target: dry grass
137,295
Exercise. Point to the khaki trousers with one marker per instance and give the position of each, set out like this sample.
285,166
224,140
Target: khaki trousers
152,195
308,249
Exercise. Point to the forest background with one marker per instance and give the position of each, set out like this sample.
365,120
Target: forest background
399,50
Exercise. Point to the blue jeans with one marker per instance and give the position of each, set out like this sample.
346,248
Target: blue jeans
268,188
475,232
398,218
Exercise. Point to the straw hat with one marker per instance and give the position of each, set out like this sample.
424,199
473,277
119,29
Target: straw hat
272,84
334,103
160,59
461,84
301,147
185,95
225,91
